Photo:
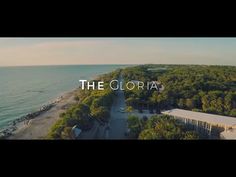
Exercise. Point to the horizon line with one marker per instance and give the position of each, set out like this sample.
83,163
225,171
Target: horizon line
117,64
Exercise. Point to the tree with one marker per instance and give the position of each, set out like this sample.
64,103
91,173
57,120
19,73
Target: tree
101,113
165,127
79,115
148,134
197,102
134,124
168,129
155,97
164,101
131,101
88,100
233,112
190,135
81,111
159,100
97,102
57,128
205,103
153,121
220,105
228,102
181,103
77,99
190,103
66,133
129,109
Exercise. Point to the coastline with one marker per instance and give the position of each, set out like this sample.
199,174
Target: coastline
17,120
38,126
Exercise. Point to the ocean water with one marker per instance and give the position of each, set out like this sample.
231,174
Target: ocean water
26,89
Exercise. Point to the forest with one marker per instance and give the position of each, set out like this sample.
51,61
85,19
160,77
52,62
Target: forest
91,105
160,127
210,89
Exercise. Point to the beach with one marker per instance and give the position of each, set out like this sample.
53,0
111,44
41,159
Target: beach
32,97
39,126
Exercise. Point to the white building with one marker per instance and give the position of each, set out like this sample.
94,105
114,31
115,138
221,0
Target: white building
206,121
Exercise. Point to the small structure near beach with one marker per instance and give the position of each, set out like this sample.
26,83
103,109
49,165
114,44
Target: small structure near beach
76,131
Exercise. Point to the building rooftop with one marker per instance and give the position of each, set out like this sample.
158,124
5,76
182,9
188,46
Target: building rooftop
204,117
230,134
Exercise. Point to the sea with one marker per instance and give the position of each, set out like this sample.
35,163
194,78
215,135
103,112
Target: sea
25,89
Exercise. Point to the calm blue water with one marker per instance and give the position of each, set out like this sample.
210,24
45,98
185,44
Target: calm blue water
26,89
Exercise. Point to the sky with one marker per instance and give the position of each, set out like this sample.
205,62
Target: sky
69,51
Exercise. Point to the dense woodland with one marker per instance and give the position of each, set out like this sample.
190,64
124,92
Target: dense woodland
210,89
159,127
91,106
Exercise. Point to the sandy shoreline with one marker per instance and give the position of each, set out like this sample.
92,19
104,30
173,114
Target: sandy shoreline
39,126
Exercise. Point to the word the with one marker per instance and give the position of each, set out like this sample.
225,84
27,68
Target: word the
100,85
